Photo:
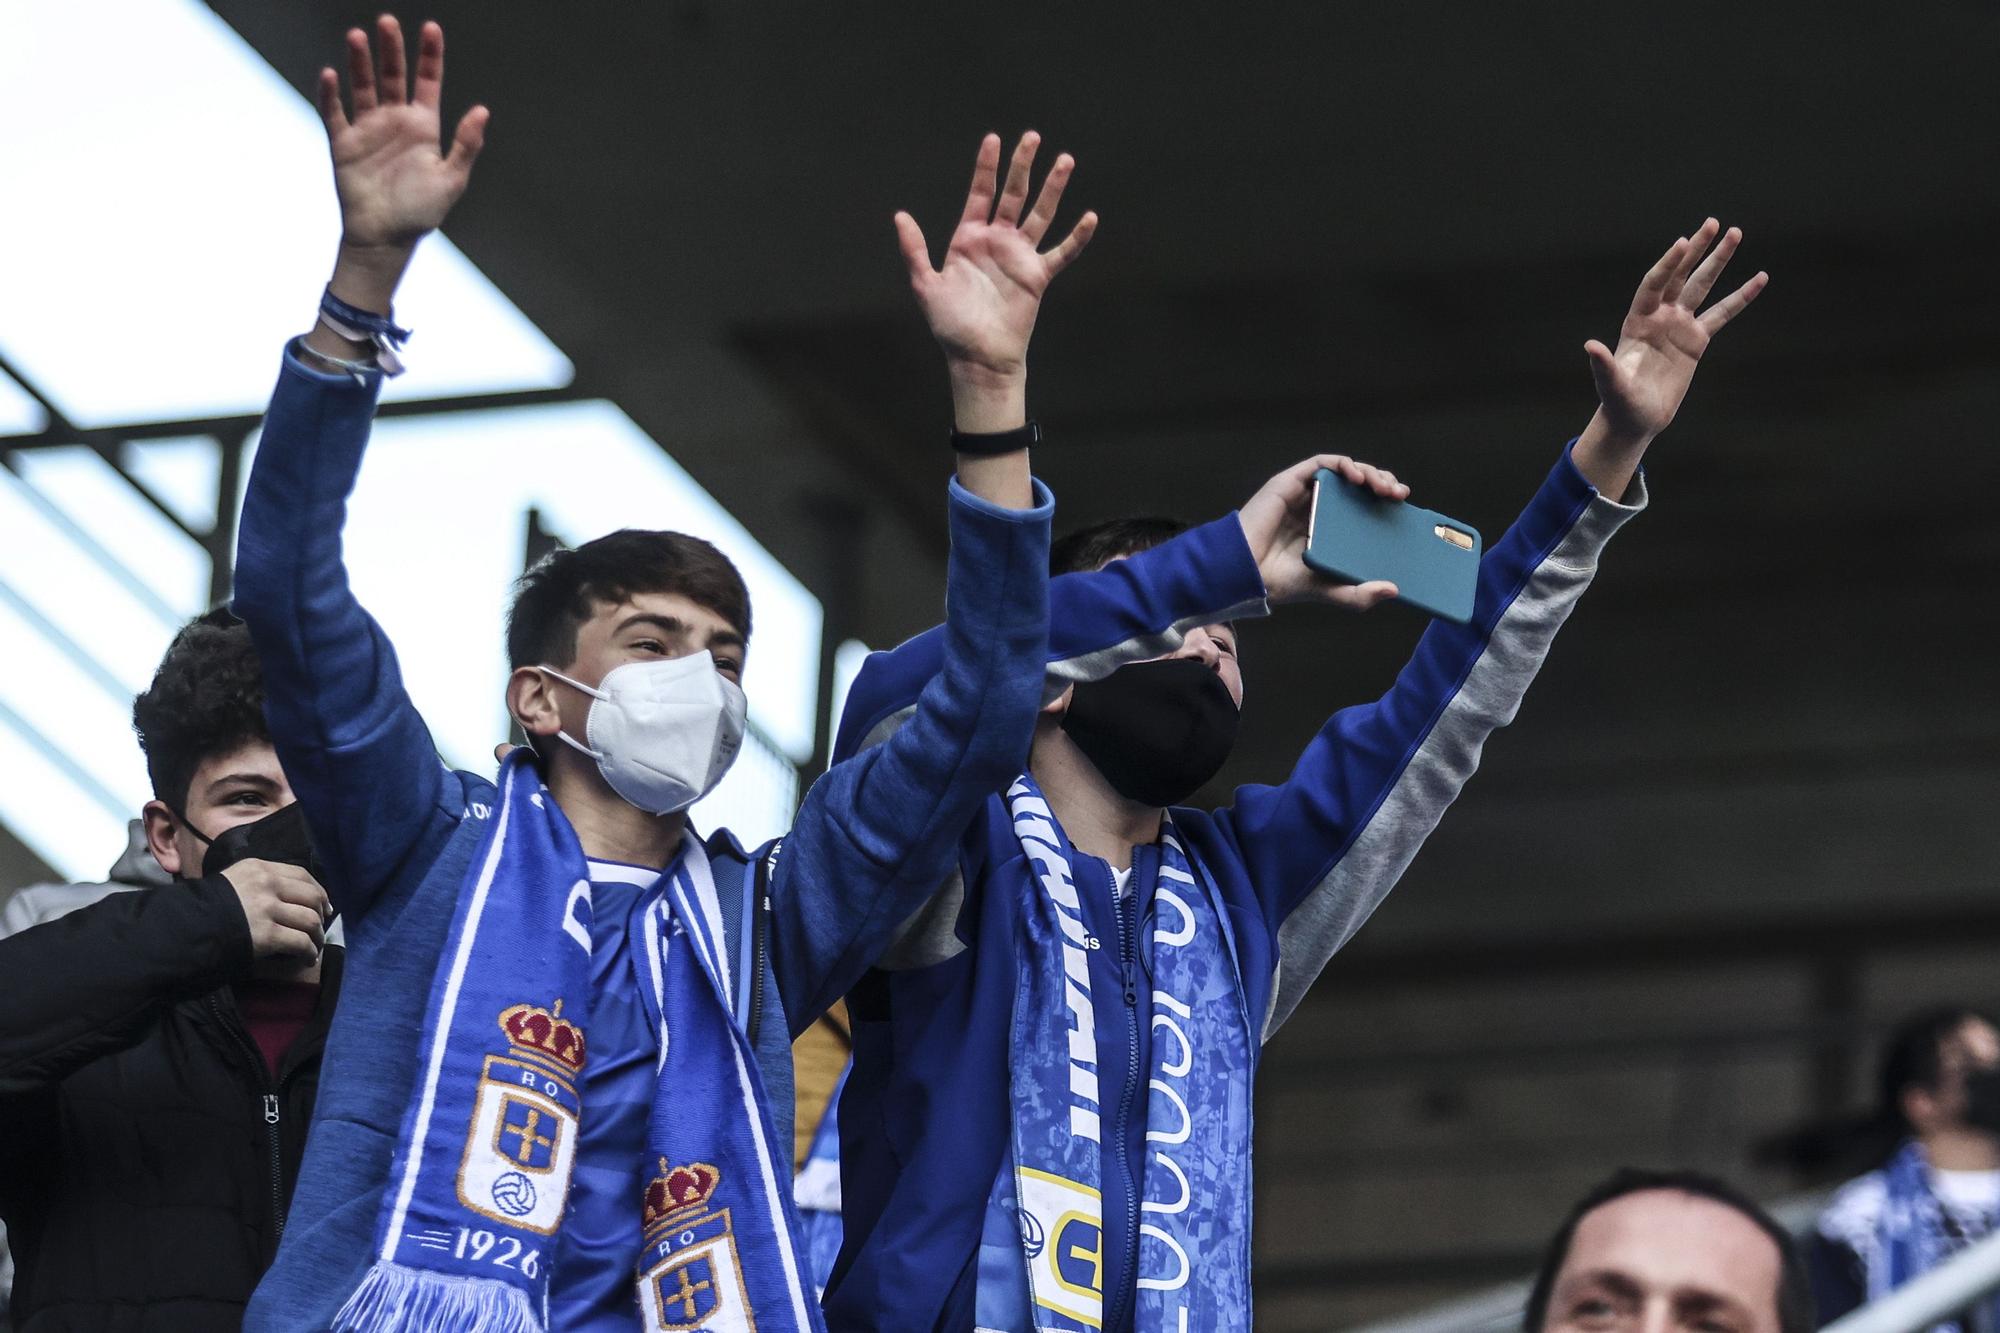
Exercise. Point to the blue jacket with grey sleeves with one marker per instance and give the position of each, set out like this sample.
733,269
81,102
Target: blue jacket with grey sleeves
1299,866
396,829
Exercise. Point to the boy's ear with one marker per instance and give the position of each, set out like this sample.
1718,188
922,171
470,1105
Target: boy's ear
531,702
1059,705
159,823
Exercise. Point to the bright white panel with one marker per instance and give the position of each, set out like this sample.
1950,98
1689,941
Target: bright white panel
19,413
186,473
58,820
847,660
184,192
88,723
435,536
82,558
80,483
109,612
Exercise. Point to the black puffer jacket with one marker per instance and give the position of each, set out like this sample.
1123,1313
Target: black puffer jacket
146,1155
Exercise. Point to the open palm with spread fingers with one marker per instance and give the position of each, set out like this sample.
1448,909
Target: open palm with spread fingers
981,304
394,182
1641,384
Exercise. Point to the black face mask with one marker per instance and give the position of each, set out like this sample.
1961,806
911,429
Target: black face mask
279,836
1982,1099
1156,730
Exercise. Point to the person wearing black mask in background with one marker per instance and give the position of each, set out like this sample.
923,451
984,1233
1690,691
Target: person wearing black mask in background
1939,1191
159,1050
1047,1122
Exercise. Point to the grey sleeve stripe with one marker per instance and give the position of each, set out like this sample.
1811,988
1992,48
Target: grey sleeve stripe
886,728
1488,700
930,935
1069,671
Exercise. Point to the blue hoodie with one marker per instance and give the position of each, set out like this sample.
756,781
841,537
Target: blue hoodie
1299,866
395,828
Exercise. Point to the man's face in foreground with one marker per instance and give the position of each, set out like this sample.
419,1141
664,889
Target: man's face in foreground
1660,1261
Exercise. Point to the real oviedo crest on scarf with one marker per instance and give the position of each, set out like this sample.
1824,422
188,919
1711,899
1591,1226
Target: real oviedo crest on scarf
470,1232
1062,1234
522,1140
691,1276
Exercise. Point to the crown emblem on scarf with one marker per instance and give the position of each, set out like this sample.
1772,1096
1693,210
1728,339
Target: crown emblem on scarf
534,1030
679,1189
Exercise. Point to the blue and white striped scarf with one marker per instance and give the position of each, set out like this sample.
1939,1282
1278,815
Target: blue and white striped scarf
482,1165
1913,1234
1041,1254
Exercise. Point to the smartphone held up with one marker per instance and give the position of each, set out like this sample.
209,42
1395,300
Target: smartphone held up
1357,536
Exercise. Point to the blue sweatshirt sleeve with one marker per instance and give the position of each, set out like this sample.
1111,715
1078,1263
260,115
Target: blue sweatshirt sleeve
1322,849
880,830
353,747
1128,611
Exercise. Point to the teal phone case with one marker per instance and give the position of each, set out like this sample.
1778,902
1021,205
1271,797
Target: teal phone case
1357,536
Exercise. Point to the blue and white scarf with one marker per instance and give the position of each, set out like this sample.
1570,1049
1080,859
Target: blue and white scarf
481,1171
1914,1232
1041,1255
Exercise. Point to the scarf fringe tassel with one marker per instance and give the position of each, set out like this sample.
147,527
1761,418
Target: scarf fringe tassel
410,1300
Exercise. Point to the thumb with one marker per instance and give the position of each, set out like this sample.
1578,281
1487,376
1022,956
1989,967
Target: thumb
1359,596
469,139
1603,369
916,254
1372,594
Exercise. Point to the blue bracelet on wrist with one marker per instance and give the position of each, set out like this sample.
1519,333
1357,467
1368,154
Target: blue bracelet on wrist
365,326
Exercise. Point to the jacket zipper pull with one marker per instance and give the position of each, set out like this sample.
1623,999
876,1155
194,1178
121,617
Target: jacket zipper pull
1118,907
270,1108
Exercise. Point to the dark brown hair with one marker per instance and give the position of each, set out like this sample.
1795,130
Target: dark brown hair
555,598
1090,548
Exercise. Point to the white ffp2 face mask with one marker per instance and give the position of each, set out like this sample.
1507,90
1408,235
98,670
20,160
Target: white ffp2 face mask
662,732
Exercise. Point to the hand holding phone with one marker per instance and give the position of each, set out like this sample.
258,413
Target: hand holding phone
1358,536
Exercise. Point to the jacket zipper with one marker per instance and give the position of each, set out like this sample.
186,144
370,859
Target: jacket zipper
760,884
1115,1315
271,1135
272,1116
757,976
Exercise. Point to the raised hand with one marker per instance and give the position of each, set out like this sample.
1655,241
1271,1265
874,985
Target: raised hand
394,183
1640,385
981,305
1278,517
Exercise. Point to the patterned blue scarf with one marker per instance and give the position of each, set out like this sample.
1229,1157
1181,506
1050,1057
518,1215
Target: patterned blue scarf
1914,1234
1040,1257
481,1171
